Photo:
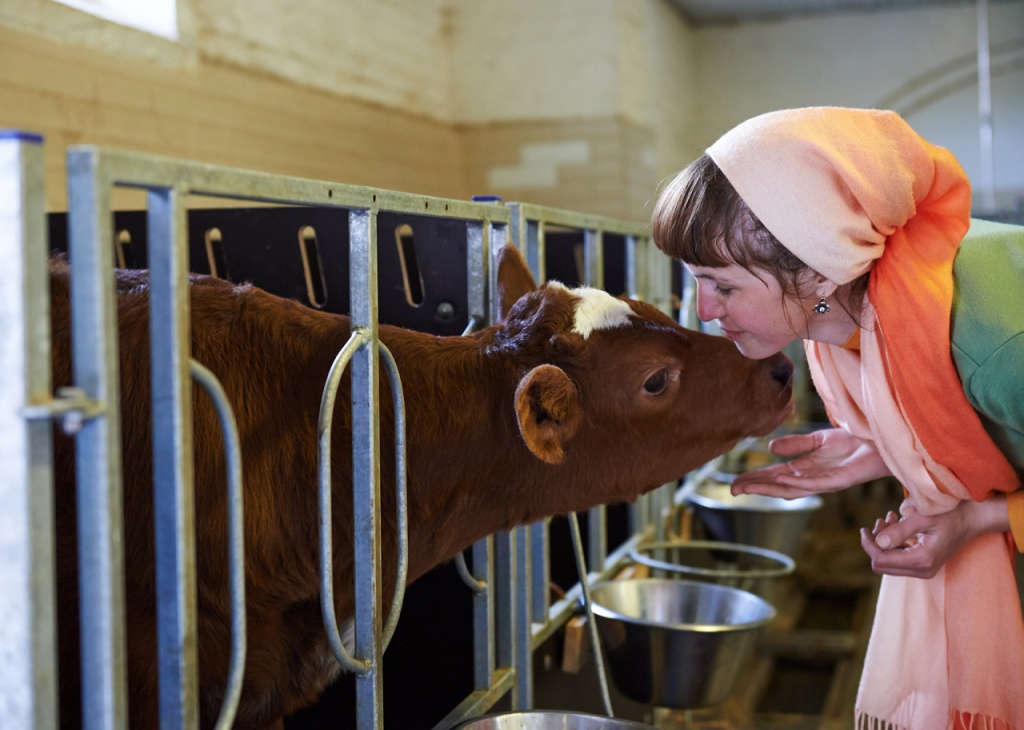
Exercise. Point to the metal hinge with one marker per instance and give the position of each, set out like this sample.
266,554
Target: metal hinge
70,406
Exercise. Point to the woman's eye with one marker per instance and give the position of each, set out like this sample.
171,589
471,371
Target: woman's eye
722,290
657,382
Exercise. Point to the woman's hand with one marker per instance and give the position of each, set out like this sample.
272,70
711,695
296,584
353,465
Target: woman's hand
918,545
833,459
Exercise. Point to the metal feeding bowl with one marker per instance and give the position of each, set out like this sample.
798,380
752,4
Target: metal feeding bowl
677,643
772,523
746,567
549,720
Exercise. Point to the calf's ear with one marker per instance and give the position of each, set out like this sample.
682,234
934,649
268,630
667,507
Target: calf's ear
514,278
549,411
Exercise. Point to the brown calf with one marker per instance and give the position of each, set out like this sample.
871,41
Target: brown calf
575,399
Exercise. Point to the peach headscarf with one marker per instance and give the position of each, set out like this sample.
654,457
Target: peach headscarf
852,190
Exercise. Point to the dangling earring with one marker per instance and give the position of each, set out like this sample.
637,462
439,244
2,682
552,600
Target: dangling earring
821,307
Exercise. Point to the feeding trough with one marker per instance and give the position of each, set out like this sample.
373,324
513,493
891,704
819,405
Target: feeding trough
677,643
746,567
772,523
550,720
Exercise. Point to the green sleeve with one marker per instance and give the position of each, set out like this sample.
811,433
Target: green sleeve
987,330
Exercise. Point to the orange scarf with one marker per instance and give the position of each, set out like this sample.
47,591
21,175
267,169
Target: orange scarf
851,190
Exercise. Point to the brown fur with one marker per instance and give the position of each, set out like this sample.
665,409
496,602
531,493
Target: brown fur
470,470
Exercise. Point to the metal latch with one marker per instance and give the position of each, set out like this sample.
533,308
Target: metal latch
70,406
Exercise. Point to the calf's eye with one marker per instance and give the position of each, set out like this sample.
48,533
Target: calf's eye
657,382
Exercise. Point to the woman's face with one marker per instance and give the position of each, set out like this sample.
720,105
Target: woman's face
751,311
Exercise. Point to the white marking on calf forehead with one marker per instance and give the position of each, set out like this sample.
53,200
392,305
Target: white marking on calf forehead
596,310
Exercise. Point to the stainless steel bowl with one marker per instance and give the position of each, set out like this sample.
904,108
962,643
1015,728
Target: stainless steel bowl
550,720
677,643
746,567
752,519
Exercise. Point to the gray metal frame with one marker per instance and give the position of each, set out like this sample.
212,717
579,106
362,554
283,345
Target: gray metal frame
28,661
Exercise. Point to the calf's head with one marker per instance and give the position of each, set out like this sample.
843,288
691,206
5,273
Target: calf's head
614,393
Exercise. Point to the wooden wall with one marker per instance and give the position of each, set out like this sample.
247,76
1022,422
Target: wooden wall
217,113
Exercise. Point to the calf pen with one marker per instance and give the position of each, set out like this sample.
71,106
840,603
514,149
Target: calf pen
451,283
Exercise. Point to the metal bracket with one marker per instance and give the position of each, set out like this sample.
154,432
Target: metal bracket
70,406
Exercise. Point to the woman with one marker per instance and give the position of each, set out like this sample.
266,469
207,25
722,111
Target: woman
844,228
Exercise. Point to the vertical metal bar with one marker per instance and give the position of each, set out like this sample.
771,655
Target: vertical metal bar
173,489
505,583
480,241
659,276
597,530
477,236
504,577
524,633
636,269
366,467
988,193
539,563
540,570
98,446
636,288
534,253
483,615
28,670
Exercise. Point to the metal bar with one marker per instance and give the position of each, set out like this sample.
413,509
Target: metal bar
133,169
505,583
401,502
98,445
28,676
483,550
636,288
595,640
236,541
366,467
173,488
357,339
987,186
593,275
484,636
523,697
573,219
540,569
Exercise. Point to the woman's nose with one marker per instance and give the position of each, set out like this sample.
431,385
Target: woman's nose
708,307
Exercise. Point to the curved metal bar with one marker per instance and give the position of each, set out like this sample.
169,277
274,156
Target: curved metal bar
236,545
784,564
356,666
473,326
588,604
401,485
477,586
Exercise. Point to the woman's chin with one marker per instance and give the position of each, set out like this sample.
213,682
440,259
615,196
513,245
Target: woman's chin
756,350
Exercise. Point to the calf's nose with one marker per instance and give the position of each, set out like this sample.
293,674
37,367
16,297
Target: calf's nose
782,369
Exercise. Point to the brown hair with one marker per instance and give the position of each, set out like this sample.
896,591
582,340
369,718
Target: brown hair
700,219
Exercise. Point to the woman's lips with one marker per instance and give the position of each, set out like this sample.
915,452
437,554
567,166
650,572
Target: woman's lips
731,334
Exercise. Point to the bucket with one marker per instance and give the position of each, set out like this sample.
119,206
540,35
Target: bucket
677,643
772,523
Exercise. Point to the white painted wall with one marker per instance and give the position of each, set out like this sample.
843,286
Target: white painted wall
887,59
534,60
